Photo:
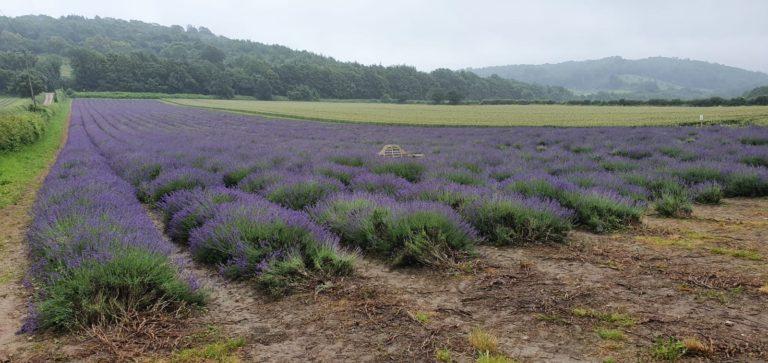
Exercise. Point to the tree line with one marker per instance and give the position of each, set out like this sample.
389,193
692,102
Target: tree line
115,55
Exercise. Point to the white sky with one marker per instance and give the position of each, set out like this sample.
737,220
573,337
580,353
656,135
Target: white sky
459,34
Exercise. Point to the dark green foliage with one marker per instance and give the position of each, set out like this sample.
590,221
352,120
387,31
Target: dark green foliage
410,171
303,93
19,85
131,281
117,55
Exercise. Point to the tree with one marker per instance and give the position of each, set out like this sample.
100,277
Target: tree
263,90
454,97
437,95
303,93
19,85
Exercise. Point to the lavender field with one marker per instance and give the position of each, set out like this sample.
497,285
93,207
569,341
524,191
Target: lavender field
288,205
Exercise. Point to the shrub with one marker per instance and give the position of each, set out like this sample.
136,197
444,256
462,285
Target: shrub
707,193
282,249
599,211
176,179
515,220
185,210
671,204
384,184
756,160
133,280
756,141
463,178
302,191
20,128
429,234
668,349
745,184
94,252
354,161
410,171
700,174
234,176
257,182
453,195
342,173
413,233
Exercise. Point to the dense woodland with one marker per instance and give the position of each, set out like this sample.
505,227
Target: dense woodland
106,54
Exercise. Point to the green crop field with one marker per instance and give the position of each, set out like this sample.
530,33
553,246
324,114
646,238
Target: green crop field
9,102
488,115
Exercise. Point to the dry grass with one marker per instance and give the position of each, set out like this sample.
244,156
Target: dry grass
694,346
483,342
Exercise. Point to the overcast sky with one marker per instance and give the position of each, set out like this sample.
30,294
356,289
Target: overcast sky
460,34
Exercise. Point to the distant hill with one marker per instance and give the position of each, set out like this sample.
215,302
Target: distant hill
757,92
108,54
657,77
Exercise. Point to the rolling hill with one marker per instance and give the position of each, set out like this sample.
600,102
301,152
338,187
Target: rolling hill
616,77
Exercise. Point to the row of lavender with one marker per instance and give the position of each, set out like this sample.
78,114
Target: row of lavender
272,199
94,252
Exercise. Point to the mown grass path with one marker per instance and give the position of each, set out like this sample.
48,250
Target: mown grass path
21,173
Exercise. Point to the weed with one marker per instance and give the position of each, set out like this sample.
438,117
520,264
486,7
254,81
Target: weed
694,346
223,351
483,342
610,334
443,355
738,253
670,349
493,358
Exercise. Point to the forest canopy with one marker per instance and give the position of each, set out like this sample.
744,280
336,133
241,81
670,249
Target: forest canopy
106,54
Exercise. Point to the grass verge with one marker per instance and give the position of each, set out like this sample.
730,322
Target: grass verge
19,168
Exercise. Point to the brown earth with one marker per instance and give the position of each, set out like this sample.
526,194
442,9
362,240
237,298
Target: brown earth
703,277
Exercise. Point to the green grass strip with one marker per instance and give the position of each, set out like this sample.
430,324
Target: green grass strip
19,168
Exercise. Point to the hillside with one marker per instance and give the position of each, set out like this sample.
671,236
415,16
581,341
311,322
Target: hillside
657,77
108,54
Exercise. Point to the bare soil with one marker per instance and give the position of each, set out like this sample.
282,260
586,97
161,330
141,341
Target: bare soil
699,277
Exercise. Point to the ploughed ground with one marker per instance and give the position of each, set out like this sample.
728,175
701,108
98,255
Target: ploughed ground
703,277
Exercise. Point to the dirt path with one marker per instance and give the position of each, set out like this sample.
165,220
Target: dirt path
48,98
